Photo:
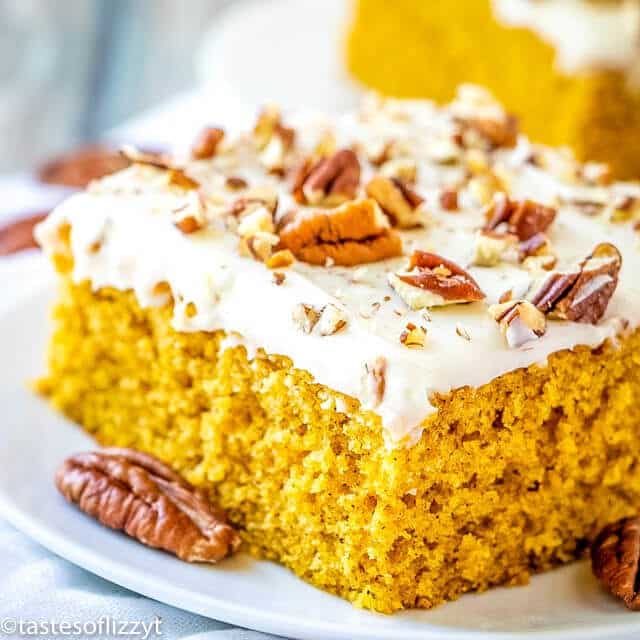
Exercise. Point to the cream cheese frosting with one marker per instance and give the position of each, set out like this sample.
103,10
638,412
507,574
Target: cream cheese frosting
123,235
585,34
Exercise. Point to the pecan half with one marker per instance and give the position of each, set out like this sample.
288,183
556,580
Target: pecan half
355,233
79,167
18,235
520,321
523,218
153,159
615,560
328,182
397,200
206,144
431,280
584,294
136,493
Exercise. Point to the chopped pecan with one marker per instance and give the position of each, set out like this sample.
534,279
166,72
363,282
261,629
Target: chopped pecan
615,560
136,493
492,247
492,133
327,320
355,233
259,245
413,337
273,140
190,217
235,183
400,202
523,218
206,144
281,259
18,235
520,321
328,182
431,280
375,380
253,199
582,295
536,245
449,199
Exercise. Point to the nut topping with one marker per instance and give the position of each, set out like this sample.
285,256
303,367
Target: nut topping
492,247
413,337
326,320
355,233
582,295
431,280
520,322
615,560
397,200
523,218
136,493
375,380
253,199
449,199
206,144
190,217
328,182
273,140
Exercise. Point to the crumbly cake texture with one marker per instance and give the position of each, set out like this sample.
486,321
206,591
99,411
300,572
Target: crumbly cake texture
565,91
508,479
398,348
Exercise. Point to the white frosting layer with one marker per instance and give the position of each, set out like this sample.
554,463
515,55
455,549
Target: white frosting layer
585,35
123,236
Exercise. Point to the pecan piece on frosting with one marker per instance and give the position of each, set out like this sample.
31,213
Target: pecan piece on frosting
273,139
432,281
401,203
582,295
615,560
523,218
328,182
326,321
207,142
520,321
355,233
134,492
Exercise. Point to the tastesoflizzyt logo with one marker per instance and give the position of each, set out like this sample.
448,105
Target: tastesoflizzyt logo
104,626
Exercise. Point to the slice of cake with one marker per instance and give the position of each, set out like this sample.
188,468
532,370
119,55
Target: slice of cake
569,68
399,348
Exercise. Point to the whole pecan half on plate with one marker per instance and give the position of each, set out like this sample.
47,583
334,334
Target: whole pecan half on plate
433,281
615,560
18,235
355,233
582,295
134,492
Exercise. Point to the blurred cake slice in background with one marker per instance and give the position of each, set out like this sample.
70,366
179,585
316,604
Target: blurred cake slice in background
569,68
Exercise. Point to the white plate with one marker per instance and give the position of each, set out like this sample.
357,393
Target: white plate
562,604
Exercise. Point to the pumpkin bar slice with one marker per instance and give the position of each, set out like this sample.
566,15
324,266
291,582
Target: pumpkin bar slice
398,347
